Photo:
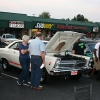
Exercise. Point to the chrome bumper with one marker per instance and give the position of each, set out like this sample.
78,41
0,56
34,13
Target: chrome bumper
56,72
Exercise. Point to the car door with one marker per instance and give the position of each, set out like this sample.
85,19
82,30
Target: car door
14,54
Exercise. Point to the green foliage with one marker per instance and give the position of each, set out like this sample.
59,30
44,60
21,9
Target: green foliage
63,19
45,15
80,17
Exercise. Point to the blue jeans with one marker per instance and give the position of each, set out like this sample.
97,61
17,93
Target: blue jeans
25,64
36,72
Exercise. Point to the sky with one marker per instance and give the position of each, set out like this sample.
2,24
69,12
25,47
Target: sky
58,9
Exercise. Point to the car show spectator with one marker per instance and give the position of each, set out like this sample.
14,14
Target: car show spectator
24,60
96,61
78,48
37,52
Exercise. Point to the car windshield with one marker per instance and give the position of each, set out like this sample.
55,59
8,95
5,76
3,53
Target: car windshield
83,37
10,36
91,46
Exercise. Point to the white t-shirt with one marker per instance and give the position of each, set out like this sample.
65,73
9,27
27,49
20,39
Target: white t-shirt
97,47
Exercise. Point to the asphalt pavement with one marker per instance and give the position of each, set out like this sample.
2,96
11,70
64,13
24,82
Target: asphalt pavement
58,88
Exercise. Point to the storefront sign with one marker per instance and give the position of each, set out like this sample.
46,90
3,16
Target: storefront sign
71,27
16,24
44,25
64,27
95,29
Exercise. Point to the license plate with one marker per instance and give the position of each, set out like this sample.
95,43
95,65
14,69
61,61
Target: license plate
74,72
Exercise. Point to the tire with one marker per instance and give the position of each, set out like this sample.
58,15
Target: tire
5,65
45,77
75,77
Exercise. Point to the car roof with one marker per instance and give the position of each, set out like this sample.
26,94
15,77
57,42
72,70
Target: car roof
7,34
88,41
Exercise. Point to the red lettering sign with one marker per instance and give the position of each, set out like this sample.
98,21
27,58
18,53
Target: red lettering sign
64,27
71,27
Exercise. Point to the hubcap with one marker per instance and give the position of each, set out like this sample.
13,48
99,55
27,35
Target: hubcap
43,77
4,64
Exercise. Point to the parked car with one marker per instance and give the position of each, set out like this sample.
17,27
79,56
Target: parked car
3,44
98,39
57,61
91,46
88,51
8,38
1,39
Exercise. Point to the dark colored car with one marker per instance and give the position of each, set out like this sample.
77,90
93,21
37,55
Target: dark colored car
89,49
2,45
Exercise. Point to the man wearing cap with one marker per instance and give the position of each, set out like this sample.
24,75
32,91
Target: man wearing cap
37,52
78,48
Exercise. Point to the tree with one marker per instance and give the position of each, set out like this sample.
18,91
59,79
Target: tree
80,17
86,20
45,15
68,19
63,19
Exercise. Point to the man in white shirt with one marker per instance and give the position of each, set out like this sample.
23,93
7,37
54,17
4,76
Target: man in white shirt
96,59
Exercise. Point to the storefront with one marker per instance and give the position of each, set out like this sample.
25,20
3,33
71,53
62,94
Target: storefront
20,24
90,31
16,24
97,29
50,26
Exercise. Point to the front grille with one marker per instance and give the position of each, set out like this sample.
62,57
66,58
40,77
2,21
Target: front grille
72,63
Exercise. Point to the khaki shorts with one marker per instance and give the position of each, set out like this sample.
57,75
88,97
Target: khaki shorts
96,65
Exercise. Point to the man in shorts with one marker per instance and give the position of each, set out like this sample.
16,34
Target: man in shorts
96,61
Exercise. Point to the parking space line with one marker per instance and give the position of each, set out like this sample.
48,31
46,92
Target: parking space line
9,76
12,77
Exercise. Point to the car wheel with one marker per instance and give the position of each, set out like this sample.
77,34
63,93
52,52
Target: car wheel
75,77
5,65
45,76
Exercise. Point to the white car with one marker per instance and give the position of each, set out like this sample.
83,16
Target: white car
8,38
57,61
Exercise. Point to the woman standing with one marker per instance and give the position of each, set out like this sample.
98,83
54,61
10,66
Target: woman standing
24,60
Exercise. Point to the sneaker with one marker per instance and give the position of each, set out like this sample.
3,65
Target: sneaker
18,83
38,88
26,84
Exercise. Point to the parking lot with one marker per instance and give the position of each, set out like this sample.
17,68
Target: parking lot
57,89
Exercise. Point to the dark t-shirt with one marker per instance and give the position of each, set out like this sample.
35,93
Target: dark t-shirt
79,48
22,47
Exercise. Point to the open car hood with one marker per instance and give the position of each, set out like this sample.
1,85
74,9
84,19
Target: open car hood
62,41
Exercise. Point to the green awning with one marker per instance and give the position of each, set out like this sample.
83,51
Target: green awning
5,17
77,25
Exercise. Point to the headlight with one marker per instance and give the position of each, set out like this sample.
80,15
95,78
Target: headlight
91,59
89,64
57,63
